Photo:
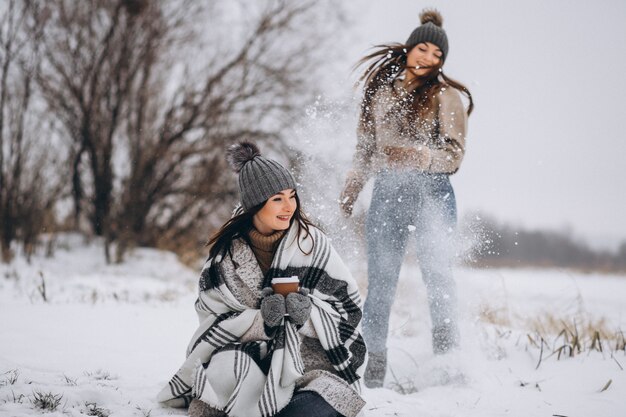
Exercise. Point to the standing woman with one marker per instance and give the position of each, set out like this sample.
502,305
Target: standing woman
411,138
260,354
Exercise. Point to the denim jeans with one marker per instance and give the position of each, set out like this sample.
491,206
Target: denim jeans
308,404
408,203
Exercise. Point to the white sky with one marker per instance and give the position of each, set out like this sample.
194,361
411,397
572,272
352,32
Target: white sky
546,140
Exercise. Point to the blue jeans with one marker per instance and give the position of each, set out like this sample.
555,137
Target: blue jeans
308,404
411,203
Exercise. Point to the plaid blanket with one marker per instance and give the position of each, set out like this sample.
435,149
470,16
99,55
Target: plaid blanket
258,378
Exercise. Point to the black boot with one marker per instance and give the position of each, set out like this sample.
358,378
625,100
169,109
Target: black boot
376,369
445,338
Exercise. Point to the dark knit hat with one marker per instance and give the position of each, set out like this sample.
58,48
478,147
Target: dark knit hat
259,177
430,31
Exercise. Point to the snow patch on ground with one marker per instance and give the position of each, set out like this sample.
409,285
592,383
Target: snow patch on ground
109,336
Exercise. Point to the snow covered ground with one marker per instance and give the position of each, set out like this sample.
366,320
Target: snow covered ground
109,336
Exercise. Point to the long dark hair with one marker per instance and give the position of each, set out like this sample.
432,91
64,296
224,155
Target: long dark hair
385,65
240,224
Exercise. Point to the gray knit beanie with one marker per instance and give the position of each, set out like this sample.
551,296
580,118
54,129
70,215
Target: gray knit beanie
259,177
430,31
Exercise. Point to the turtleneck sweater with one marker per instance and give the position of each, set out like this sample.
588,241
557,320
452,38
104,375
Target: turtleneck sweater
264,247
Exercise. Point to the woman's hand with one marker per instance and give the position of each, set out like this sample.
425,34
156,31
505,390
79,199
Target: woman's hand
298,306
349,195
272,308
408,157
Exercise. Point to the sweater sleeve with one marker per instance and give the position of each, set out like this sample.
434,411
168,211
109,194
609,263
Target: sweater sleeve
362,160
449,146
363,155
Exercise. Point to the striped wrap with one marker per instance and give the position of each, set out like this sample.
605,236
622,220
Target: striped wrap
257,379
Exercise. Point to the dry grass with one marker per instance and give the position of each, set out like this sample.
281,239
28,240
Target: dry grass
92,409
498,316
16,399
559,336
570,336
10,377
100,375
46,401
404,386
70,381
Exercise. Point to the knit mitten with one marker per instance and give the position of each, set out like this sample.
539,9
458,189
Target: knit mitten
298,306
272,308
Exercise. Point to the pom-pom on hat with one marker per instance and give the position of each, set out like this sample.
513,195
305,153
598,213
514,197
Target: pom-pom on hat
430,31
259,177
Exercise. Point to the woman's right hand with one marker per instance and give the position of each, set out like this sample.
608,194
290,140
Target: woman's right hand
349,195
408,157
272,308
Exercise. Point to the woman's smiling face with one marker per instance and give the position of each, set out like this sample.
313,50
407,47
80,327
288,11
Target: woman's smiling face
277,212
424,55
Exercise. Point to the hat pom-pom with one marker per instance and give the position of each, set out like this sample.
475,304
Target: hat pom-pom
432,16
238,154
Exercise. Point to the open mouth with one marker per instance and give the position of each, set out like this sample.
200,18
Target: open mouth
283,218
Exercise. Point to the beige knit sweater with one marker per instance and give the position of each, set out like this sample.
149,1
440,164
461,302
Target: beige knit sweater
264,247
442,132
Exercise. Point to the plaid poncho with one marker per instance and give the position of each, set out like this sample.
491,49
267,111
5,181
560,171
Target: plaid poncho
258,378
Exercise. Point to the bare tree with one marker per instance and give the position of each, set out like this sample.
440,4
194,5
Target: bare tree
27,195
89,51
177,141
150,94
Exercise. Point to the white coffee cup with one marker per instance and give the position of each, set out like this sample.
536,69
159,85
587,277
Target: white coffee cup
285,285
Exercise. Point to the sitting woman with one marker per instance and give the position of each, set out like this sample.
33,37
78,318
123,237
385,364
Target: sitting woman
256,352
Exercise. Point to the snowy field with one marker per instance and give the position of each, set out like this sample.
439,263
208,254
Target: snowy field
109,336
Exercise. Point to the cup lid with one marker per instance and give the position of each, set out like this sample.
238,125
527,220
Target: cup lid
285,280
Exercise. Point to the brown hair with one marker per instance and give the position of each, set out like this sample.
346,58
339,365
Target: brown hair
241,223
385,65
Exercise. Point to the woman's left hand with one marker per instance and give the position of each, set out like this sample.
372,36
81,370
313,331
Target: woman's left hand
349,194
298,307
407,157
